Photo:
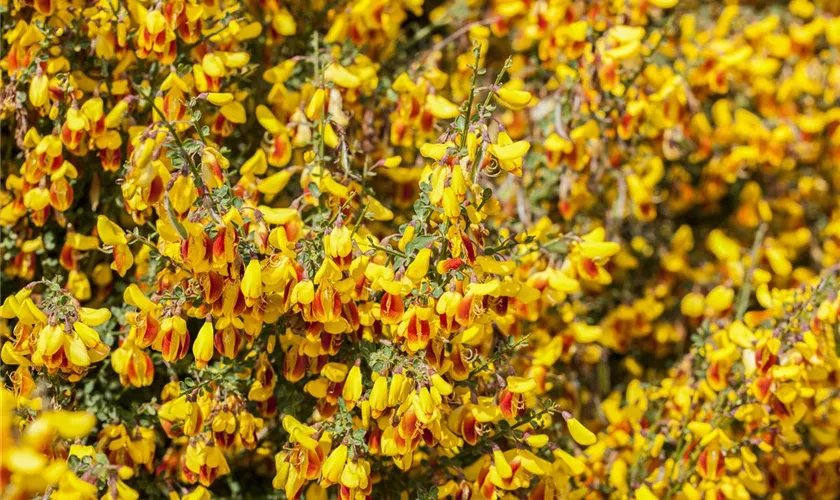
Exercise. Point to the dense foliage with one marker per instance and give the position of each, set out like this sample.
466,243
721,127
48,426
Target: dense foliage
470,249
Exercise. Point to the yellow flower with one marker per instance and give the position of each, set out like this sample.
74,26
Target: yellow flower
352,390
579,433
441,107
513,99
220,98
252,285
334,466
203,346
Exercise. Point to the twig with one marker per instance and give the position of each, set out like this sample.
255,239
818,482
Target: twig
455,34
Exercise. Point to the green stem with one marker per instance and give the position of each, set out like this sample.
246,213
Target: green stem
466,128
481,112
154,248
359,220
174,133
746,286
498,355
389,251
530,419
319,80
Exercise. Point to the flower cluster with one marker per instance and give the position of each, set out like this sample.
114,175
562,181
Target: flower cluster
36,456
395,249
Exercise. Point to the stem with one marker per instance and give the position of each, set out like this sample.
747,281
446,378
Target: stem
148,243
477,54
498,355
390,251
481,110
359,220
746,287
173,131
530,419
680,450
497,83
320,84
457,33
341,208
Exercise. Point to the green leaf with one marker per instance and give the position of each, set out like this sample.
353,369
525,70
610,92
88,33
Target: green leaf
49,241
459,122
418,242
315,190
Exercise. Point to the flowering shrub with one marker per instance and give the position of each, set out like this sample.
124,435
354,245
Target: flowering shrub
481,249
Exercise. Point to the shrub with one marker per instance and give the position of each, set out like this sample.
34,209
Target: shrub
405,249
